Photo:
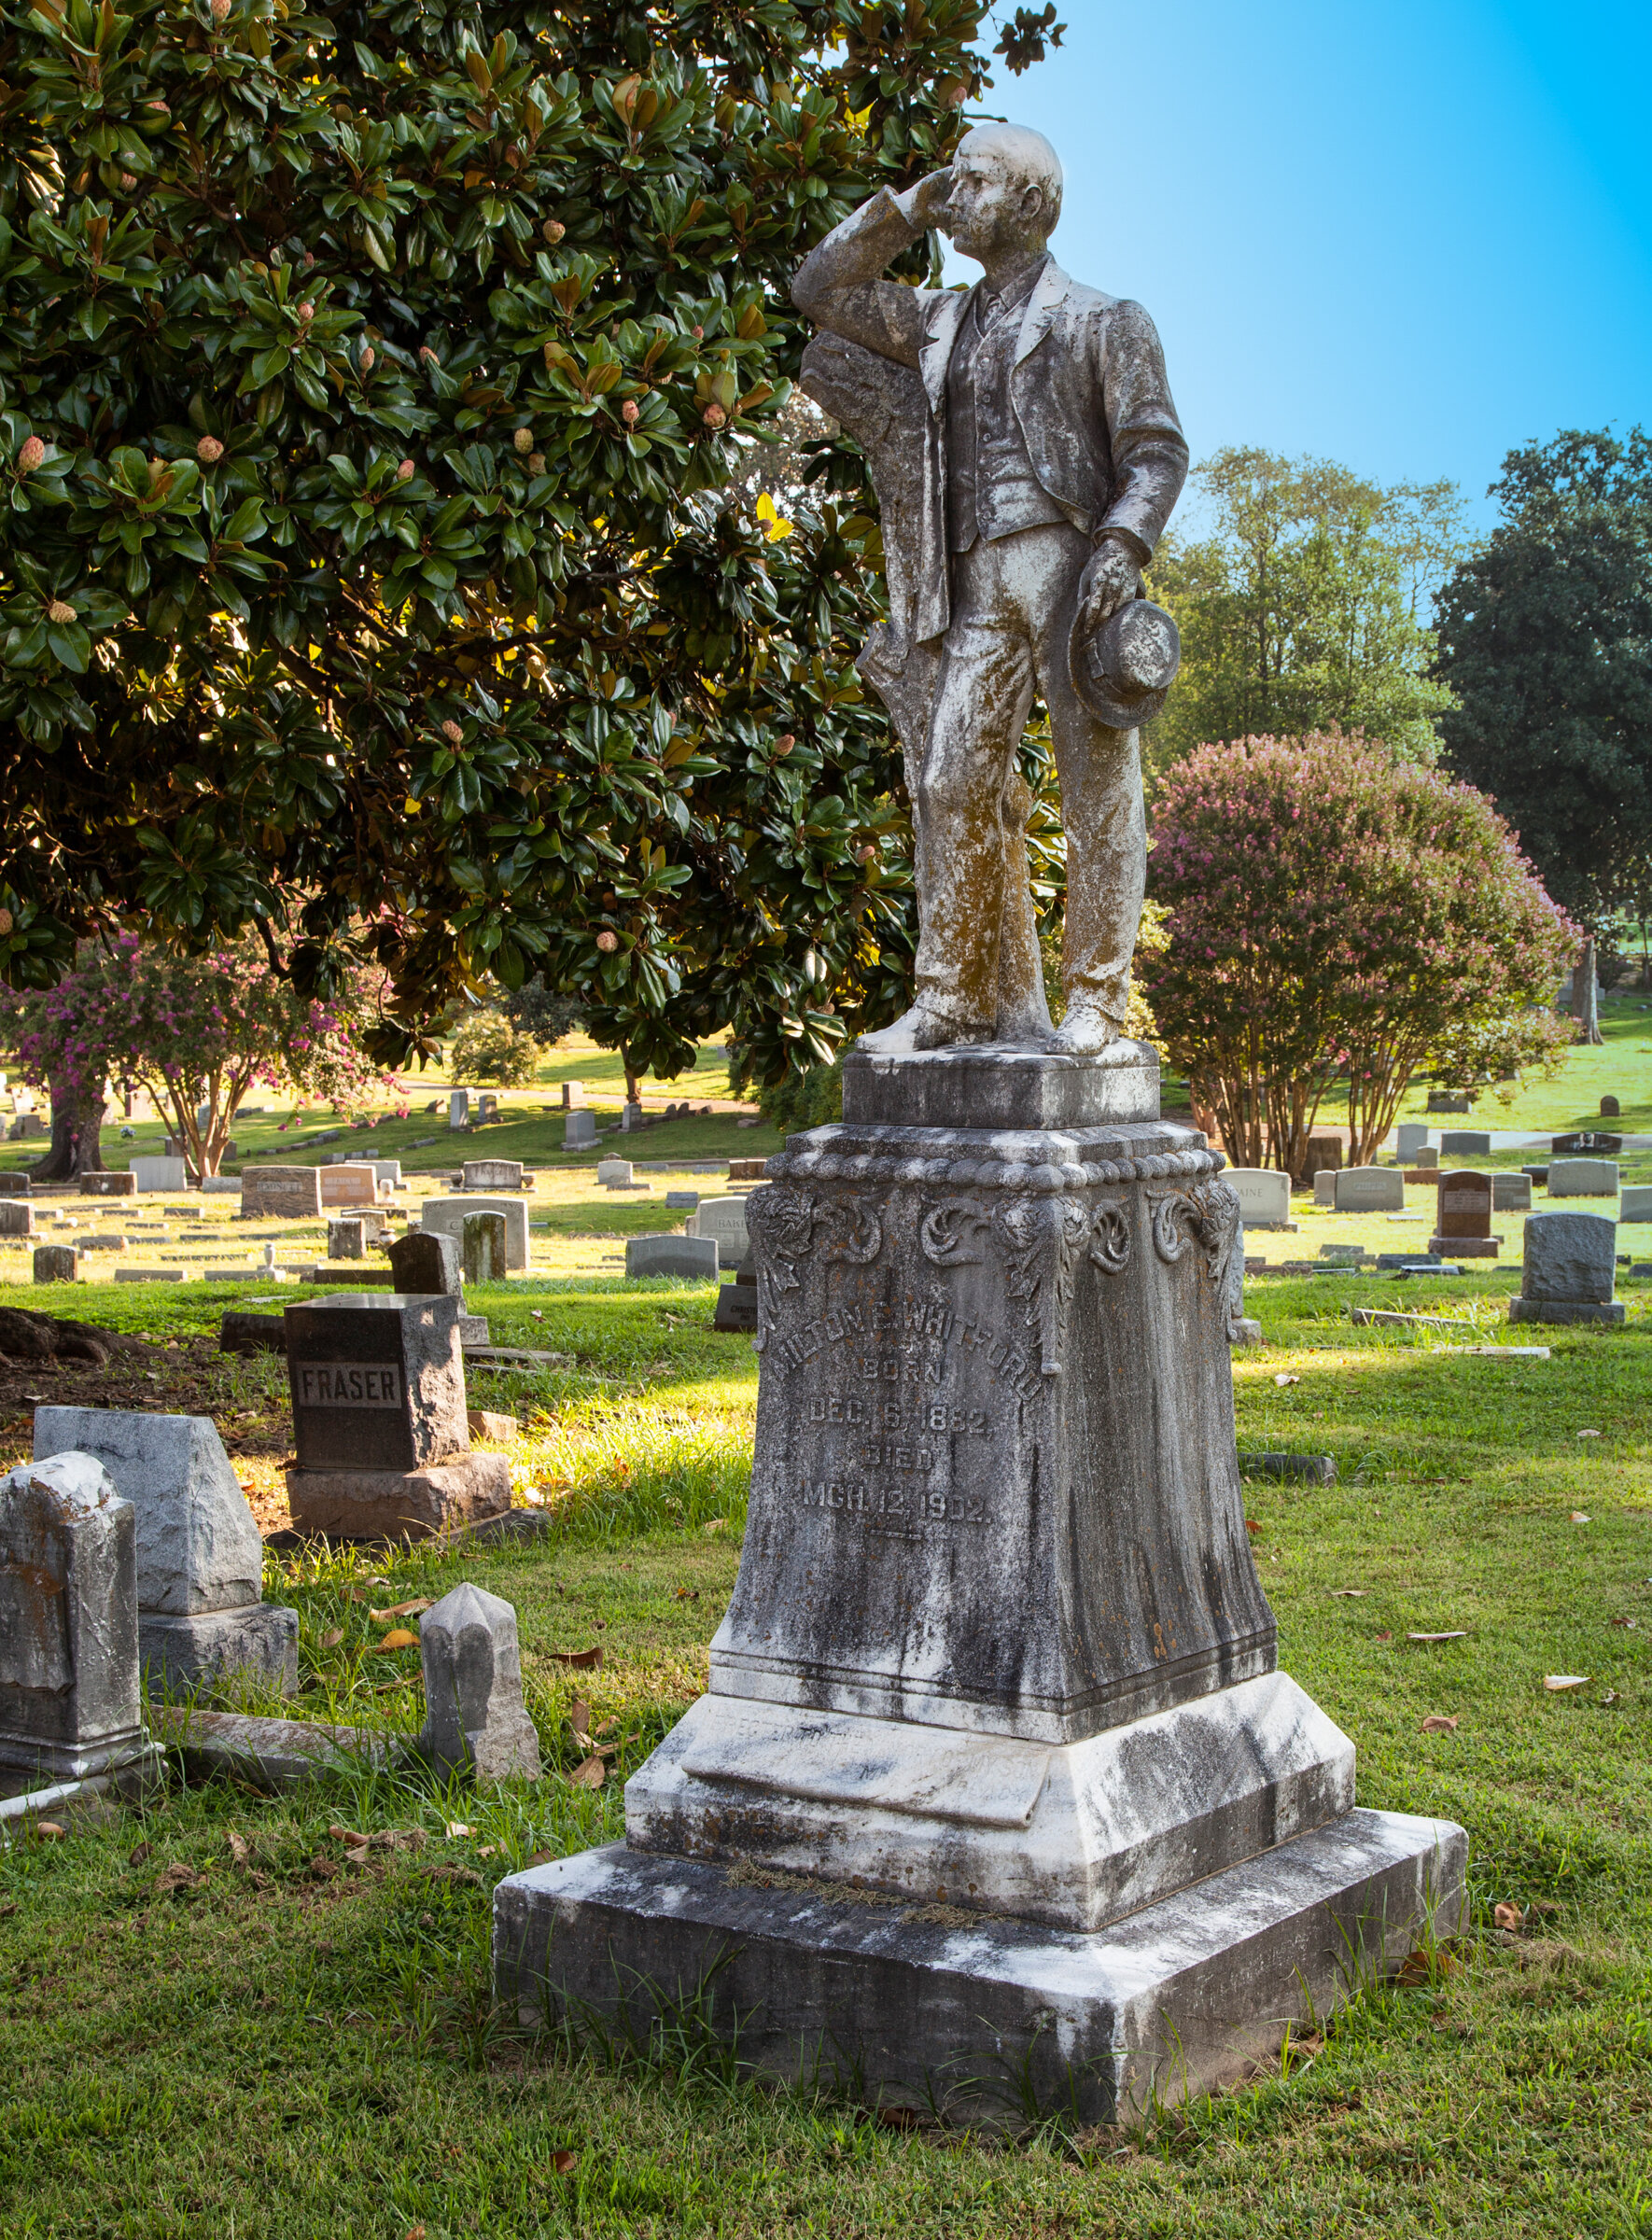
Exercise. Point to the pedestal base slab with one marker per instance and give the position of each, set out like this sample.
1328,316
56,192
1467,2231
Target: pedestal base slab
1075,1836
1179,1998
396,1504
182,1653
1564,1310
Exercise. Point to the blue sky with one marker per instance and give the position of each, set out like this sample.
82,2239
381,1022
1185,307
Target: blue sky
1405,236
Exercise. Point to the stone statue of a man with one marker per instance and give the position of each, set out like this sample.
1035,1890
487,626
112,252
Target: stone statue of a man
1044,457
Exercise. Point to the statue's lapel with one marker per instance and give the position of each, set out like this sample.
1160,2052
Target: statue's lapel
944,322
1042,306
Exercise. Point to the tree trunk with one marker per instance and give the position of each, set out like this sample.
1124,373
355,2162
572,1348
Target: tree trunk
77,1125
1585,995
633,1087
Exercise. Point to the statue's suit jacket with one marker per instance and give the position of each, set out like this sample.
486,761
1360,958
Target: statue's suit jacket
1088,388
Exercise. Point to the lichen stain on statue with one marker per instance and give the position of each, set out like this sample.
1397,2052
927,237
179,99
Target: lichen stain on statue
1027,455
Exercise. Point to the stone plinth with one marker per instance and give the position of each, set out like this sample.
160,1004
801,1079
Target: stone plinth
56,1264
16,1217
996,1087
912,2001
107,1183
579,1130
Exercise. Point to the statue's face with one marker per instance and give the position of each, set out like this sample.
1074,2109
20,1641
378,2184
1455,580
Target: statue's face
991,212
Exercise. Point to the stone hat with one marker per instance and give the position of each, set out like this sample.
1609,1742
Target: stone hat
1123,671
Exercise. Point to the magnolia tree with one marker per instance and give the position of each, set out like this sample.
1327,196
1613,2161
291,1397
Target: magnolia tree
197,1034
1334,914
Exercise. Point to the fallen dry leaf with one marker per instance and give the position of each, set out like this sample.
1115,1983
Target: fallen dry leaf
562,2161
458,1828
240,1850
49,1830
1352,1594
140,1855
1384,1637
579,1656
1460,1636
1578,1517
718,1524
1438,1723
414,2232
382,1618
347,1835
1557,1683
398,1638
591,1775
579,1718
1609,1695
331,1638
1589,1435
1625,1621
488,1851
1508,1917
1284,1376
1252,1524
542,1859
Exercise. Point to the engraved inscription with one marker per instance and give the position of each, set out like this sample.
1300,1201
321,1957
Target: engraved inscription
890,1415
349,1384
892,1504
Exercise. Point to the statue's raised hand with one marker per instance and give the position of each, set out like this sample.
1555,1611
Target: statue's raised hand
925,205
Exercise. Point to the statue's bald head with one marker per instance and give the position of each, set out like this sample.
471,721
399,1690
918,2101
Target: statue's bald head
1022,156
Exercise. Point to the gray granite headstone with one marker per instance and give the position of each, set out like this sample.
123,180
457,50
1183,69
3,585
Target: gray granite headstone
1412,1137
1369,1190
426,1260
16,1217
1511,1194
1570,1269
1583,1178
474,1715
199,1555
725,1219
482,1247
694,1258
615,1174
346,1239
573,1095
377,1381
1325,1187
70,1704
630,1118
579,1130
458,1109
55,1263
1464,1143
1637,1204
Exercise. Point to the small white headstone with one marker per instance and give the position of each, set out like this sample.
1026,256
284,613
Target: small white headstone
160,1175
1264,1194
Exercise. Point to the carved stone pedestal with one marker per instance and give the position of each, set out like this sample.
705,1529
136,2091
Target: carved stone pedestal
998,1644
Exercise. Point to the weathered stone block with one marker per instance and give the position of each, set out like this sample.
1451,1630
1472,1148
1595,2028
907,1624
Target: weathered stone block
458,1109
446,1217
1569,1257
281,1194
1512,1194
426,1261
70,1704
16,1217
681,1201
579,1130
1325,1187
1002,1088
1412,1137
16,1185
573,1095
736,1307
346,1240
1464,1143
474,1715
352,1184
694,1258
615,1174
56,1264
378,1383
198,1548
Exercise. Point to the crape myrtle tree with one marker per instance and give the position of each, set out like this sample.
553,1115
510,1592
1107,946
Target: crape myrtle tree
197,1032
1338,914
1545,640
370,383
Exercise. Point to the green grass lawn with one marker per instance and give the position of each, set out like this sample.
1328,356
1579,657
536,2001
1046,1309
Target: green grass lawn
276,2043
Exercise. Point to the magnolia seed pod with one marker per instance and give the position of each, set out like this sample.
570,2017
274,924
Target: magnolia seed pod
451,730
607,943
30,457
524,441
209,451
61,611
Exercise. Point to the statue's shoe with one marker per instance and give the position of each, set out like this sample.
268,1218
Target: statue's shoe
1085,1031
922,1027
